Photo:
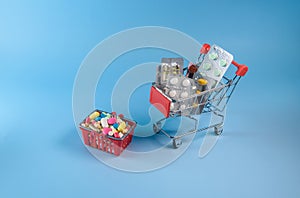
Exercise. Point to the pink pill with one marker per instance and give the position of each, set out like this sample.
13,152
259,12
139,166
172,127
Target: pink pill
111,120
116,134
106,130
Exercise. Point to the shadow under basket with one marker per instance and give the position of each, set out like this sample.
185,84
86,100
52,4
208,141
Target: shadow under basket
107,143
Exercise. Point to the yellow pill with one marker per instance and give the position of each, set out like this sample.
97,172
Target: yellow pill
202,81
94,115
198,92
125,130
122,126
195,105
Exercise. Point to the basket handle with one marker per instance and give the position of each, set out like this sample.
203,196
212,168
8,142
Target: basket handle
241,69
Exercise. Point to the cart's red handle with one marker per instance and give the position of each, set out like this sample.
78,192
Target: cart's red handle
242,69
205,48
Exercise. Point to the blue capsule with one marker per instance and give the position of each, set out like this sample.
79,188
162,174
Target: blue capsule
116,125
98,118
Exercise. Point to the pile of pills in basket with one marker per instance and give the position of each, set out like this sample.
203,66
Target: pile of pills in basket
107,123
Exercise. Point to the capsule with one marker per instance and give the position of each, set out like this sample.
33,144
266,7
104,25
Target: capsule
94,115
122,126
202,81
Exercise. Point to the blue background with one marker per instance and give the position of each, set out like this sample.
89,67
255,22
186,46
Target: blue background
41,47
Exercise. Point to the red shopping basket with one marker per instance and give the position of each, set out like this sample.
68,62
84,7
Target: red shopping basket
107,143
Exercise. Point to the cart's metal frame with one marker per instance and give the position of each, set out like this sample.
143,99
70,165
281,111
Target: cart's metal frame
209,101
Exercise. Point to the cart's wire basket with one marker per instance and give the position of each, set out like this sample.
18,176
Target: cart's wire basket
205,102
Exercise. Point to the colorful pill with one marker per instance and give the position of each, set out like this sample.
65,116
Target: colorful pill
94,115
111,120
119,120
115,125
102,115
105,114
106,130
98,118
110,133
87,120
122,126
202,81
96,124
125,130
104,122
121,135
113,129
116,135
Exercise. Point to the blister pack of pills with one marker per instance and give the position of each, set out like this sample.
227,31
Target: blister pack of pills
180,87
180,82
168,67
214,65
176,63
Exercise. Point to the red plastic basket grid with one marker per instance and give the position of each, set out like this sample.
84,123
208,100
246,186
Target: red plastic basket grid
107,143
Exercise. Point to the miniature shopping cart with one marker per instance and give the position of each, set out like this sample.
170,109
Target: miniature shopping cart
211,100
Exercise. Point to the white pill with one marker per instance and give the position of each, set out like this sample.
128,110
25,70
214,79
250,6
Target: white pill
186,82
174,81
172,93
104,122
110,133
184,94
183,106
172,106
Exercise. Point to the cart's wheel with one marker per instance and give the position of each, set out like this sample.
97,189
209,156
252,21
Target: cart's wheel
156,127
177,143
218,130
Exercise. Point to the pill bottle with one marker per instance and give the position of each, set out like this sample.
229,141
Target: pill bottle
192,69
